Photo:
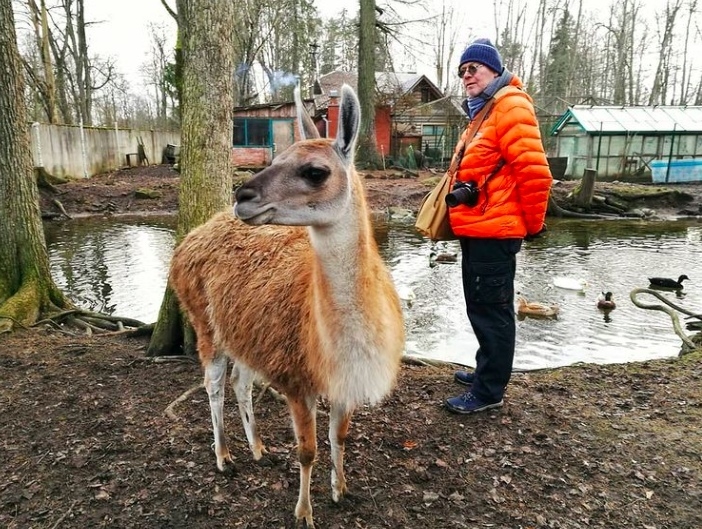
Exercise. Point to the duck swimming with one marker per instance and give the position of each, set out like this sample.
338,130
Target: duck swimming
535,309
570,283
605,301
665,282
444,258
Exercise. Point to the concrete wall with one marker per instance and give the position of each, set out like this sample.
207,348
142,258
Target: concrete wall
65,150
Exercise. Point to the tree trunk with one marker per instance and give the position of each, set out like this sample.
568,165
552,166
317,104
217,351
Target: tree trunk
27,291
367,152
206,28
586,190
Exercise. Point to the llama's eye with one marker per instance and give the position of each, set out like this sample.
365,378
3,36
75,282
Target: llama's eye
315,175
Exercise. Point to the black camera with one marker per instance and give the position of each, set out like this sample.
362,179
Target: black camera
463,193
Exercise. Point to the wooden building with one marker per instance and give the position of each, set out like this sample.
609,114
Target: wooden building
262,131
410,111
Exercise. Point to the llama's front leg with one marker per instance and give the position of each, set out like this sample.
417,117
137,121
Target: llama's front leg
339,420
242,382
304,413
215,377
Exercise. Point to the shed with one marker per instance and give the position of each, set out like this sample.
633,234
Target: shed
622,142
261,132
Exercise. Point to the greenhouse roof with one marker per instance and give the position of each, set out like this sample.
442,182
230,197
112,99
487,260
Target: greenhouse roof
622,120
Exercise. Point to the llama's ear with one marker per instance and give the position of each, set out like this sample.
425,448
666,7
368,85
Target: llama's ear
304,121
349,123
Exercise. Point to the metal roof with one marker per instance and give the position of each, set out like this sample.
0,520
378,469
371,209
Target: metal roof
609,119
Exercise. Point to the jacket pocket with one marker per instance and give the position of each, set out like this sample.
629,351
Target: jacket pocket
490,283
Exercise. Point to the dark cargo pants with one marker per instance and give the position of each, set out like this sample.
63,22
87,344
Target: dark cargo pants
488,267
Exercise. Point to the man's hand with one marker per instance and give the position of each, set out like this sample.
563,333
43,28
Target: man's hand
533,236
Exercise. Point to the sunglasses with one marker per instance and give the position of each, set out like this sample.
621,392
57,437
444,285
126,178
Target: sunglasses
471,69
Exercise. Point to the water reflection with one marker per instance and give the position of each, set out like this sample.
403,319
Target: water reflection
120,266
113,266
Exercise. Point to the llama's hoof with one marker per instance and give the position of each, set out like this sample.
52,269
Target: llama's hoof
224,461
259,451
304,523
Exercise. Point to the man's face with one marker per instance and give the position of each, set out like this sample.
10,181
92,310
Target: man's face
475,77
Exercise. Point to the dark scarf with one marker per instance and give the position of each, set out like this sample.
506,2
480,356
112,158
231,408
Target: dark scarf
472,105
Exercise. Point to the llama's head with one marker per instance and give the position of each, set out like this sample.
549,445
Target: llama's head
309,183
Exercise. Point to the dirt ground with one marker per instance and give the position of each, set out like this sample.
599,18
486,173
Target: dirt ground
116,193
86,441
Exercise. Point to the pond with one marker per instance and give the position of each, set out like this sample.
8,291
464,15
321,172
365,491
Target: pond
119,266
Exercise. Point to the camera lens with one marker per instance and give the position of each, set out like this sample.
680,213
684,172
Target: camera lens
463,193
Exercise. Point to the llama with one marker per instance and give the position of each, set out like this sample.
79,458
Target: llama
297,294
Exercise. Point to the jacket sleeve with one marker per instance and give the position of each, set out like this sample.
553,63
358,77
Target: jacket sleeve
521,147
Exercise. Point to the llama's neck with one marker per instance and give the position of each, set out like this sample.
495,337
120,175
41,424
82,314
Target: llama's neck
343,248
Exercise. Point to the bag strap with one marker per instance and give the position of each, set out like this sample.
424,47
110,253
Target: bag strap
468,136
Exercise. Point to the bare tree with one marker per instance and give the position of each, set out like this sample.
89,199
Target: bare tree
447,31
46,83
686,66
157,73
659,91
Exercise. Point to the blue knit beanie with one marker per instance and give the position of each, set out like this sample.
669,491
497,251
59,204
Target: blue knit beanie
484,52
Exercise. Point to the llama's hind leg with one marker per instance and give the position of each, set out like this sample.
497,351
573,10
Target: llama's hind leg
242,381
215,378
339,420
304,411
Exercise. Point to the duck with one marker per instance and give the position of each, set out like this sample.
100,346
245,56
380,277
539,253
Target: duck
569,283
605,301
666,282
443,258
536,309
406,294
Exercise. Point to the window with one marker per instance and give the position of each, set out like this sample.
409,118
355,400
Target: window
250,132
425,94
432,130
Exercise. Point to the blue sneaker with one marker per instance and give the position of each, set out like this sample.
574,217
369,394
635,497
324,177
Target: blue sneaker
469,403
465,378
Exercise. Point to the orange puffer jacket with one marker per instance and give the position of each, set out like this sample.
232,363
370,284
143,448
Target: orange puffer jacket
514,201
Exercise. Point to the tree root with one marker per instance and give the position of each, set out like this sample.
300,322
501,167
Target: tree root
554,210
424,362
169,409
688,344
95,323
18,323
56,202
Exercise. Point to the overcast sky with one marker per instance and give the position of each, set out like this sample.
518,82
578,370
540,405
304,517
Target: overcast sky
123,32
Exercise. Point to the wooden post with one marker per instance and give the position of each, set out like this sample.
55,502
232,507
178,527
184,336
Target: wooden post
586,190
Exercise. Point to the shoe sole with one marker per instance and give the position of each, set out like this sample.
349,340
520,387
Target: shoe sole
477,410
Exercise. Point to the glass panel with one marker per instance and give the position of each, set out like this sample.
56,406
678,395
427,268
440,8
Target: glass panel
686,145
617,144
239,132
258,132
650,146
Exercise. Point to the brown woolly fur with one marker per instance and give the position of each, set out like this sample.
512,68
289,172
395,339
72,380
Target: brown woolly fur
307,304
229,269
